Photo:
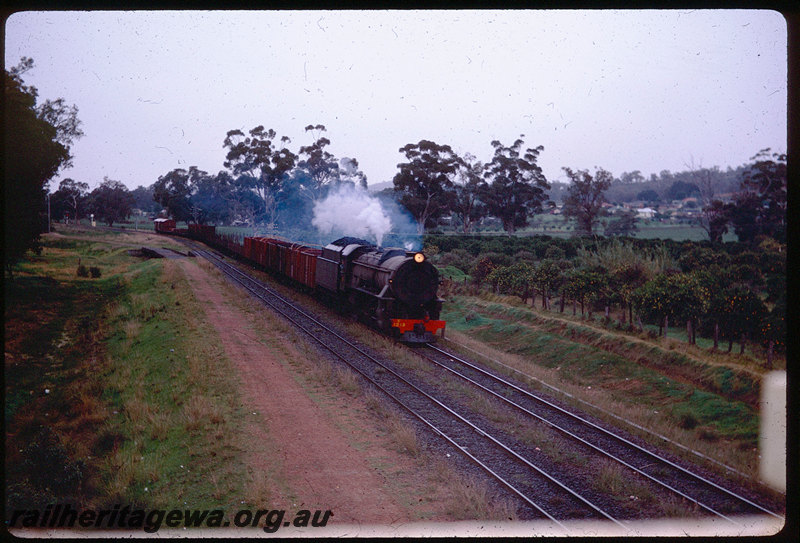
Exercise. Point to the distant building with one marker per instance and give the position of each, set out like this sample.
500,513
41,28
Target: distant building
645,213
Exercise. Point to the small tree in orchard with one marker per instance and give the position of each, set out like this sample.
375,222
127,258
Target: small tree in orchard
601,293
672,298
773,329
741,315
516,279
576,287
517,187
626,279
585,197
547,276
483,268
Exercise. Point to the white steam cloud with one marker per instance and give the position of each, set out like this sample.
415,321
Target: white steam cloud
352,211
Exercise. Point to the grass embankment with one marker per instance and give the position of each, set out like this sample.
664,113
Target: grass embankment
696,401
114,392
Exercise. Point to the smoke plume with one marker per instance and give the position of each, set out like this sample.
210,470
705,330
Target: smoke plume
352,211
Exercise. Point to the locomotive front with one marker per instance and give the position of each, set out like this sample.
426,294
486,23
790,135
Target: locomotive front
407,285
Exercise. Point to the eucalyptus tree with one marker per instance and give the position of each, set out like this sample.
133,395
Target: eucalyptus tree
467,186
211,197
715,218
516,185
262,159
173,190
760,207
317,168
623,225
426,180
111,202
72,194
349,173
585,198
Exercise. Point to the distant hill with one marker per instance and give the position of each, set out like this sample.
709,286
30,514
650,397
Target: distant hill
377,187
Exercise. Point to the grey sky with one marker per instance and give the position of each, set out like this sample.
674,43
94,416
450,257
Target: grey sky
623,90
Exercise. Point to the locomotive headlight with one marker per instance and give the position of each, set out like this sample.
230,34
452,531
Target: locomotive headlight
419,258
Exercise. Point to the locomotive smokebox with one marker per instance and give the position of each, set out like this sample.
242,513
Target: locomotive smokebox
415,282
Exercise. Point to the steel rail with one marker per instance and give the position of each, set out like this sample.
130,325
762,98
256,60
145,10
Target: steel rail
601,429
581,440
608,413
225,267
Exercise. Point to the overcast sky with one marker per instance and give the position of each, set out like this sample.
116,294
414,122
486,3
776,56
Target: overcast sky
622,90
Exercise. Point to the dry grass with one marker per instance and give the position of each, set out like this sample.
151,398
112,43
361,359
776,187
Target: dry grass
348,381
131,329
376,404
491,408
123,473
609,478
259,488
200,411
470,500
404,437
118,310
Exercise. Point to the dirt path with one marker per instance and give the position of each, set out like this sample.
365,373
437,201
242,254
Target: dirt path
318,462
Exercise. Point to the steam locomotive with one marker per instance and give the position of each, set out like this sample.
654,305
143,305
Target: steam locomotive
392,289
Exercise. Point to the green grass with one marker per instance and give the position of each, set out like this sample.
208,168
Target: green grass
583,357
140,403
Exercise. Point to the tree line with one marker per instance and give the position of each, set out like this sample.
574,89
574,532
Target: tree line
265,182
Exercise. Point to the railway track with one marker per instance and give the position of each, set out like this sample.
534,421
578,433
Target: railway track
544,493
667,474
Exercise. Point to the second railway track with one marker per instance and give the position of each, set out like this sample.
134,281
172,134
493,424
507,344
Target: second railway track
711,497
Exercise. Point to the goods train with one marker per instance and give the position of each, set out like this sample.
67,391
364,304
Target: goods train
392,289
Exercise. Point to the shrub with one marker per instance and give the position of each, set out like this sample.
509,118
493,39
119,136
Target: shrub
83,271
95,272
458,258
555,252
